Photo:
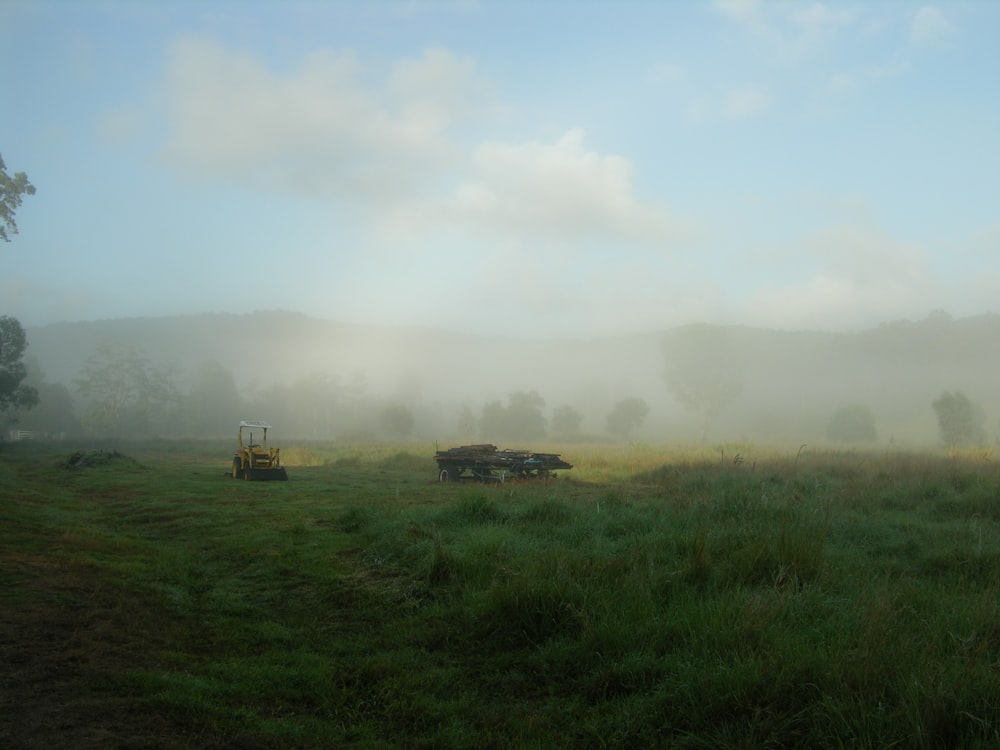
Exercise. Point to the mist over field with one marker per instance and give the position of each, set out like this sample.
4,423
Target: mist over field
320,379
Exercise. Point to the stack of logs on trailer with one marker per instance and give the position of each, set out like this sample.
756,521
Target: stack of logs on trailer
485,463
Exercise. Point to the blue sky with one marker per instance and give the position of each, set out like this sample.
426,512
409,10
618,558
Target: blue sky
526,169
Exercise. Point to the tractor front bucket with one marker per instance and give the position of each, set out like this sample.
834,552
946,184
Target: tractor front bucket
268,473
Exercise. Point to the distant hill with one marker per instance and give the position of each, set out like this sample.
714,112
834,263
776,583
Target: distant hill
267,347
790,382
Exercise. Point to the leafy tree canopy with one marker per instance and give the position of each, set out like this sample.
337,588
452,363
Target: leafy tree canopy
466,422
627,416
960,422
12,188
853,423
14,393
397,420
126,394
55,413
566,420
213,405
703,371
521,419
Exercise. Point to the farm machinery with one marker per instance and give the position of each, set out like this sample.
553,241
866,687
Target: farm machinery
257,460
486,463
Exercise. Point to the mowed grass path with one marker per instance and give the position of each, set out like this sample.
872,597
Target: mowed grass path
647,598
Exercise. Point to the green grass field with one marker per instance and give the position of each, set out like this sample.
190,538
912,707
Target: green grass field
647,598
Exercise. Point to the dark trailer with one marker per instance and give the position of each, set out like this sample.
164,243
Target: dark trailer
486,463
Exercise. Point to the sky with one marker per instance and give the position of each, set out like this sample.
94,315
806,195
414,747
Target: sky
524,169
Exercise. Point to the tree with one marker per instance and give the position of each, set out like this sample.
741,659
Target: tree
126,393
493,420
521,419
309,406
14,393
160,406
702,371
853,423
273,404
213,403
466,422
628,415
960,422
11,190
566,420
397,420
54,414
524,416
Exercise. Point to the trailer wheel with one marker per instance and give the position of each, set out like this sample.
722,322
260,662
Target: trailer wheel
443,476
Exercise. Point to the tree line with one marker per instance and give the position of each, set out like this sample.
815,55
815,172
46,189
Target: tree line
120,393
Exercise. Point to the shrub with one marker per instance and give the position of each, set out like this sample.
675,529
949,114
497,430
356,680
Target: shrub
853,423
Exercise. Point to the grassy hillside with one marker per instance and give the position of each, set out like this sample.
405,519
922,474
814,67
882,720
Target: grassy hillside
645,598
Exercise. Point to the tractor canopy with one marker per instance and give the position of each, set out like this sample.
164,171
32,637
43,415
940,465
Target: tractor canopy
257,460
254,424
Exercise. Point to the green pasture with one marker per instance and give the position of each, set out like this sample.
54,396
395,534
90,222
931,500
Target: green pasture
650,597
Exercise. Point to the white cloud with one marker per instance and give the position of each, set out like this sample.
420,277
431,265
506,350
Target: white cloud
788,31
929,26
745,102
741,11
841,83
664,72
819,18
438,83
81,59
120,125
850,276
698,111
549,191
316,130
389,147
889,70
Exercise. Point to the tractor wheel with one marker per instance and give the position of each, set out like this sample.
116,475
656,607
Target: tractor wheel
236,468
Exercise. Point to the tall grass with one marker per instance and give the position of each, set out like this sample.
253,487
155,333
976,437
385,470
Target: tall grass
645,598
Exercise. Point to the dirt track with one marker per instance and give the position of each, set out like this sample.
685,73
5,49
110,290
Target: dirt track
62,656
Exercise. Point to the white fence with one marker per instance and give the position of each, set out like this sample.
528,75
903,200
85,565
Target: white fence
17,436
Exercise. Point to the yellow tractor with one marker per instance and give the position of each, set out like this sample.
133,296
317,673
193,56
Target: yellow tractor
257,460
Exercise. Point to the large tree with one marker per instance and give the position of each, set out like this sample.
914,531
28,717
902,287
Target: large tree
213,403
853,423
466,422
126,394
703,370
13,392
628,415
55,414
521,419
960,422
11,191
396,420
566,420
